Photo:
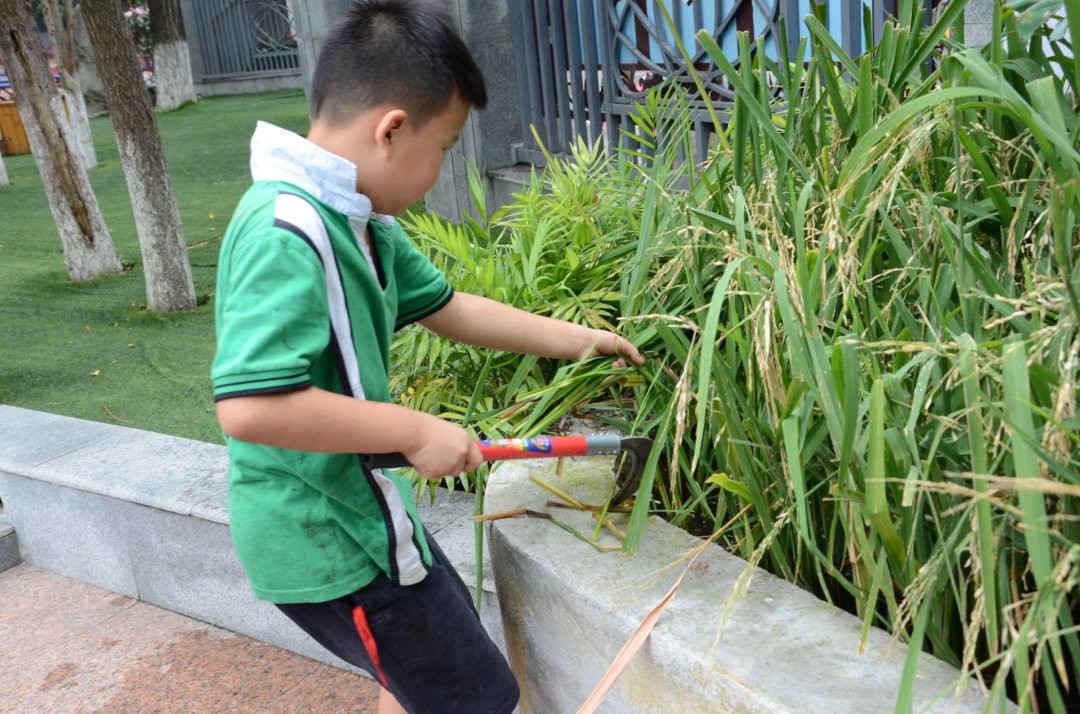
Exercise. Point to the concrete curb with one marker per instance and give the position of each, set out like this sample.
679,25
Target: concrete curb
568,609
144,515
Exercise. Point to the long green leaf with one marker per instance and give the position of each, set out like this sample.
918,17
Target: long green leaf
821,34
1072,17
906,696
1025,463
798,479
877,506
744,93
980,466
708,340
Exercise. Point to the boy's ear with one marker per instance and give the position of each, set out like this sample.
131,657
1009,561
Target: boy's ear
389,127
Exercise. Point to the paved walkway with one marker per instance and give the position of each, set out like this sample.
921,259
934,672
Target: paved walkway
66,646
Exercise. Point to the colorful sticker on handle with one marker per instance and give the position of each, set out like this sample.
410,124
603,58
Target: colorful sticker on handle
539,444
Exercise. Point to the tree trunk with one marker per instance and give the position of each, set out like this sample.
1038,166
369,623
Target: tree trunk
157,218
63,45
89,79
172,63
88,249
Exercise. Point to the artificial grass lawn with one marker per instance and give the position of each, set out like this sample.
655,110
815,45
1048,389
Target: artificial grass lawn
91,350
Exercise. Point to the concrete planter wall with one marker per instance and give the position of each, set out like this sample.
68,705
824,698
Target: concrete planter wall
568,609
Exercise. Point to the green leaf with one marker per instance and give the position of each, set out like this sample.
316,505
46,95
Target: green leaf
798,479
876,502
906,695
728,484
707,352
1025,462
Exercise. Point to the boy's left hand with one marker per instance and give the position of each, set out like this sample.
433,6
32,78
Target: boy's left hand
602,342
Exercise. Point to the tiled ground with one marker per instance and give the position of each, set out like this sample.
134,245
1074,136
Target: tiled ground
66,646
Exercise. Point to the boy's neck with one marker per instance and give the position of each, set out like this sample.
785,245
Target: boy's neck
350,141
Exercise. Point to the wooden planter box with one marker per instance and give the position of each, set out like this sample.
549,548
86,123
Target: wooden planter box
13,134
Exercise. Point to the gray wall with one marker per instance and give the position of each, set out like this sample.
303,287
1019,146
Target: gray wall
488,134
977,20
312,20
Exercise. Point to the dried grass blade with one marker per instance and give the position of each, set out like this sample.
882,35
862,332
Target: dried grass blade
527,513
626,654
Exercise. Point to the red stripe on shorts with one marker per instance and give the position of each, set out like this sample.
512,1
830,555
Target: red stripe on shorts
368,638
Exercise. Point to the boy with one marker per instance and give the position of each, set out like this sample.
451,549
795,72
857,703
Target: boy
313,280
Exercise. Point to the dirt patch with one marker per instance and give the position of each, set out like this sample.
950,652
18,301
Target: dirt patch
59,675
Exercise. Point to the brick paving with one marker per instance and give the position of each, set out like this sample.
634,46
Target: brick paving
66,646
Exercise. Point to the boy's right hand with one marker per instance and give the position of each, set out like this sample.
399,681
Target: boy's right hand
442,449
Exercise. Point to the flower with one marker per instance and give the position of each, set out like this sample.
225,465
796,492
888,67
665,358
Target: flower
138,21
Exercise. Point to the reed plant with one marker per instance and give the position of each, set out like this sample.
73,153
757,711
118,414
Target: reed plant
860,315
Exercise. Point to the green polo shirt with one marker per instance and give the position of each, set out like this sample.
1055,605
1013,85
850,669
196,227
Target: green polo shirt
302,301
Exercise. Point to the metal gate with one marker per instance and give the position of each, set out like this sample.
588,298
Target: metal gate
245,37
583,65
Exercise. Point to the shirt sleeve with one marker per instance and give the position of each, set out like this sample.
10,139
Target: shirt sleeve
272,317
422,289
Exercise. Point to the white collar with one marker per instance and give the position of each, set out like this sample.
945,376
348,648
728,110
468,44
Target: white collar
280,155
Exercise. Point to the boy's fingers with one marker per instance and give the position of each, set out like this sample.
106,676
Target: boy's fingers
608,343
474,459
626,350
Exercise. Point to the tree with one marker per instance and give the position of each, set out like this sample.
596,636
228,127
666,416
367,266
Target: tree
157,219
62,34
172,63
88,249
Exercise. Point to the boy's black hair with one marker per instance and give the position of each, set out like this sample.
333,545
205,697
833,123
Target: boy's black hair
403,52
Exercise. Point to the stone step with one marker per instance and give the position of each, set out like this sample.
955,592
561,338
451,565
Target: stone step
504,182
144,515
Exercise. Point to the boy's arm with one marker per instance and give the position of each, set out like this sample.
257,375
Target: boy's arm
313,419
482,322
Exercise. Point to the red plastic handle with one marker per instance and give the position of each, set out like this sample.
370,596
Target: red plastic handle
537,447
534,448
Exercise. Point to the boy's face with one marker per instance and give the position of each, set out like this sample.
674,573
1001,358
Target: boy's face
402,162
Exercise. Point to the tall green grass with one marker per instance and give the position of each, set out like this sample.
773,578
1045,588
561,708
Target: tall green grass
860,316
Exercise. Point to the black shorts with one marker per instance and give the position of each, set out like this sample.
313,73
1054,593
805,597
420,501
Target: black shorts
423,642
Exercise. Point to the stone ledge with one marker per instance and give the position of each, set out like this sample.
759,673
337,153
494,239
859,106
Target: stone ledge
567,610
145,515
9,546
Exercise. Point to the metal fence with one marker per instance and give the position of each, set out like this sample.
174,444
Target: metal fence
245,37
583,65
